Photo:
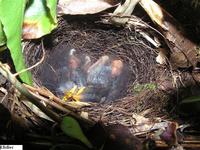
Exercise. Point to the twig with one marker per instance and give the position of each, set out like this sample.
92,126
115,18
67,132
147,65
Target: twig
148,38
6,73
5,92
124,9
35,65
34,99
135,21
61,108
50,95
185,144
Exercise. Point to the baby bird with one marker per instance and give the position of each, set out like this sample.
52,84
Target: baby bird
74,71
120,79
110,75
104,80
99,73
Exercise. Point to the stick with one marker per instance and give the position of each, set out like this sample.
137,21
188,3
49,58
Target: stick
34,99
35,65
50,95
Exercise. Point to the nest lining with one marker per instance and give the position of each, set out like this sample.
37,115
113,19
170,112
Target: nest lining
96,40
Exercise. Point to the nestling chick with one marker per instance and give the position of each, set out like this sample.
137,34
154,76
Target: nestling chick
104,80
75,71
110,74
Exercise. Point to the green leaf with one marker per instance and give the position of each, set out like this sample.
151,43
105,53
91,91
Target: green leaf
2,35
51,5
72,128
2,38
40,18
11,17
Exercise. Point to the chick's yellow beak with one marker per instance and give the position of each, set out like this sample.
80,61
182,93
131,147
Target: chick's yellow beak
74,93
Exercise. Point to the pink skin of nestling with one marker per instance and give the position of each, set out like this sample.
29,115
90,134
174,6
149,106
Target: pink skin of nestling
117,66
74,63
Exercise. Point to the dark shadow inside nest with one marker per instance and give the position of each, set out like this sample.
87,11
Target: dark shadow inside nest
97,40
94,40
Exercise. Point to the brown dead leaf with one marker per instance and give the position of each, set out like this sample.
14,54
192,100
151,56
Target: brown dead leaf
30,30
183,50
143,125
169,134
39,19
162,56
82,7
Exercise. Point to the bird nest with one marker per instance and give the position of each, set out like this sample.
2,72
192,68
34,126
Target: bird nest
95,39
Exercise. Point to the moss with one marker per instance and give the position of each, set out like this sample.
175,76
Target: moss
141,87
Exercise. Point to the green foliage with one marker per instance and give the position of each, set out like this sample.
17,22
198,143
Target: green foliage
51,5
72,128
11,17
141,87
2,35
40,18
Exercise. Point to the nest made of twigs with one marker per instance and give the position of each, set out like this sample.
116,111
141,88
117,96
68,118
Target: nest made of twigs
96,39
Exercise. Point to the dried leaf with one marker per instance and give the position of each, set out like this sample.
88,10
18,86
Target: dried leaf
162,56
36,110
40,19
124,10
169,134
82,7
84,115
183,50
142,124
